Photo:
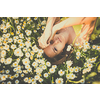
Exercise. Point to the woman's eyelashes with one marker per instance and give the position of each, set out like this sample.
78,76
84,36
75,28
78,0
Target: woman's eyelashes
55,50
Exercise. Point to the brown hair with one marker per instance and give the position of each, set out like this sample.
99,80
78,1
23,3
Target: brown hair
59,59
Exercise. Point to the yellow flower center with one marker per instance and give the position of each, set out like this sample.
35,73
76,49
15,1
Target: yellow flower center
59,81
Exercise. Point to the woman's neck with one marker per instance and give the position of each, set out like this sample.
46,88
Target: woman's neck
69,34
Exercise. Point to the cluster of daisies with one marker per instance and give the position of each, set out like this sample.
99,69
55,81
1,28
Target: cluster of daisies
21,61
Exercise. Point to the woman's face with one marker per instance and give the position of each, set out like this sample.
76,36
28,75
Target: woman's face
56,46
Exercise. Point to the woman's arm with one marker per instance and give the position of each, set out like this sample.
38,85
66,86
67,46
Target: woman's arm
47,32
73,21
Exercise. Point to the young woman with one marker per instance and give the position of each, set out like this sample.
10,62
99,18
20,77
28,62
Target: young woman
59,33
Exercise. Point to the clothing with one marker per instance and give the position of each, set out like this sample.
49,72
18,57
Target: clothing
77,28
82,31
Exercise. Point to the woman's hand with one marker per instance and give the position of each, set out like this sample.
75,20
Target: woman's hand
43,40
54,31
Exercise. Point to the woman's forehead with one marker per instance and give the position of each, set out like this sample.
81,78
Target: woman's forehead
49,51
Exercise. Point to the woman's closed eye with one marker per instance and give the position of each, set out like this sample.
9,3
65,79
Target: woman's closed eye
55,50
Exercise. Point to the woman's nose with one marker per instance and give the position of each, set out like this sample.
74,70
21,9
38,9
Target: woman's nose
56,42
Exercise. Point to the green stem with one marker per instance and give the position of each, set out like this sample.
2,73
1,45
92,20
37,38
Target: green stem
1,30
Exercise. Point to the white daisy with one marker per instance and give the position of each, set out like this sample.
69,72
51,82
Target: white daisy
39,70
72,76
16,81
35,18
15,37
10,40
7,35
9,60
9,82
20,71
17,52
28,18
21,35
34,64
93,59
94,47
44,67
15,64
28,33
76,70
43,22
48,63
18,60
26,61
24,49
3,77
6,47
71,69
29,69
68,76
7,71
69,62
54,66
1,39
19,40
84,71
59,81
15,69
88,69
16,75
37,77
35,31
27,66
4,35
52,70
25,71
40,80
80,46
0,43
3,53
19,68
45,75
8,25
18,27
28,44
27,54
69,48
78,53
61,72
39,55
89,65
4,31
21,45
16,21
77,57
77,44
84,50
42,61
82,81
98,47
29,81
13,46
26,79
43,27
2,60
22,75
